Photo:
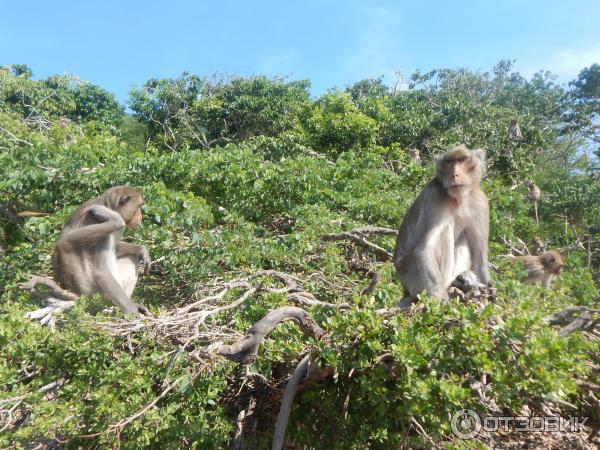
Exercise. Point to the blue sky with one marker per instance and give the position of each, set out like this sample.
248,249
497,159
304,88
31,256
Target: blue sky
117,44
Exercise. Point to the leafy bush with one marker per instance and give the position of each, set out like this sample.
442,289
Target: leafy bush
261,173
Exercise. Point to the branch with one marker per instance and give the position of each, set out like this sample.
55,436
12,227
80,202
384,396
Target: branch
570,322
286,403
57,300
246,350
56,290
12,137
368,230
361,241
309,152
589,386
368,290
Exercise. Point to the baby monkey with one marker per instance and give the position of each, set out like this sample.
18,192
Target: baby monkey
542,268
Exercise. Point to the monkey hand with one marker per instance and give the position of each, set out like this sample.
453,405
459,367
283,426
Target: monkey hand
467,281
144,260
103,214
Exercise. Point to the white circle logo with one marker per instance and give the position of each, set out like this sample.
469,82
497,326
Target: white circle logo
466,424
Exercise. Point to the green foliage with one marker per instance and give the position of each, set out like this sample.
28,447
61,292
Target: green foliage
261,173
43,102
200,112
337,124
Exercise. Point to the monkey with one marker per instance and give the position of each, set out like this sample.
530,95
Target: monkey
514,131
63,122
541,269
89,256
415,156
534,195
445,232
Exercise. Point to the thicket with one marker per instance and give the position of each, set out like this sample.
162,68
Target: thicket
243,175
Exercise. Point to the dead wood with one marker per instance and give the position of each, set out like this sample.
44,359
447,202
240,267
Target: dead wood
300,372
571,322
245,350
357,235
57,299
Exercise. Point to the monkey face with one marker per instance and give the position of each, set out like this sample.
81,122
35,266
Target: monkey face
136,220
455,176
553,262
458,170
130,208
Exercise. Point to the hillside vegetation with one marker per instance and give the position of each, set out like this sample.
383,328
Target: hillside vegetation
242,178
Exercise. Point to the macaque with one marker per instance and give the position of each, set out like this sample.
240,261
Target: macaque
89,256
63,122
541,269
445,231
415,156
514,131
534,195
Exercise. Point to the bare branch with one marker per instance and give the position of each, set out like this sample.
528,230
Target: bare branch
56,290
12,137
286,403
309,152
361,241
246,350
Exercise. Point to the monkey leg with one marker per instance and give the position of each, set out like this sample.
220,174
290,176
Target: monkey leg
462,261
110,289
127,273
422,274
430,266
138,251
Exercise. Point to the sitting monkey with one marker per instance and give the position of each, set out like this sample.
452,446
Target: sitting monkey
89,256
445,231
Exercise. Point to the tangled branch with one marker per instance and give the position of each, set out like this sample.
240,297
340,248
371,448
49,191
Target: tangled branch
245,350
358,236
57,299
574,318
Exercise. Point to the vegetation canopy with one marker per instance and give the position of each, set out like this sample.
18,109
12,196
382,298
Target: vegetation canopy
271,216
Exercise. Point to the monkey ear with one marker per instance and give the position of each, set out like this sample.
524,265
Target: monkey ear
479,154
124,199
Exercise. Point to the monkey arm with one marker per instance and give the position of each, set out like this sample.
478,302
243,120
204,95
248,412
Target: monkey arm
478,234
478,247
88,235
111,290
125,248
